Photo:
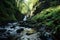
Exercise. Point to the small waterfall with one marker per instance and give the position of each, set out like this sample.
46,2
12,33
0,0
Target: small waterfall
25,18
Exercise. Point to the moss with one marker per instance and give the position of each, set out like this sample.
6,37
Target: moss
8,10
49,17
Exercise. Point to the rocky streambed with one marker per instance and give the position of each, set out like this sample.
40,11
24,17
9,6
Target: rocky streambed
14,31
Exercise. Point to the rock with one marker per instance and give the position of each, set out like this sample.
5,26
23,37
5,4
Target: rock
19,30
2,30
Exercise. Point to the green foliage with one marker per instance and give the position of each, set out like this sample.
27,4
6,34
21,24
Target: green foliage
49,17
26,6
8,9
46,4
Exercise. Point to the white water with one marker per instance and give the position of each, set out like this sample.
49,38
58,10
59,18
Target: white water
31,37
23,35
25,18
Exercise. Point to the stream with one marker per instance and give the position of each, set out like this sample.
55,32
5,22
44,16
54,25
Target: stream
13,31
18,32
22,33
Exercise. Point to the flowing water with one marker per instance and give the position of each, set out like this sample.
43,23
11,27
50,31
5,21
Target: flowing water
25,18
22,33
13,27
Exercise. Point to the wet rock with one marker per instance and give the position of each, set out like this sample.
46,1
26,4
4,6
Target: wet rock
2,30
19,30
